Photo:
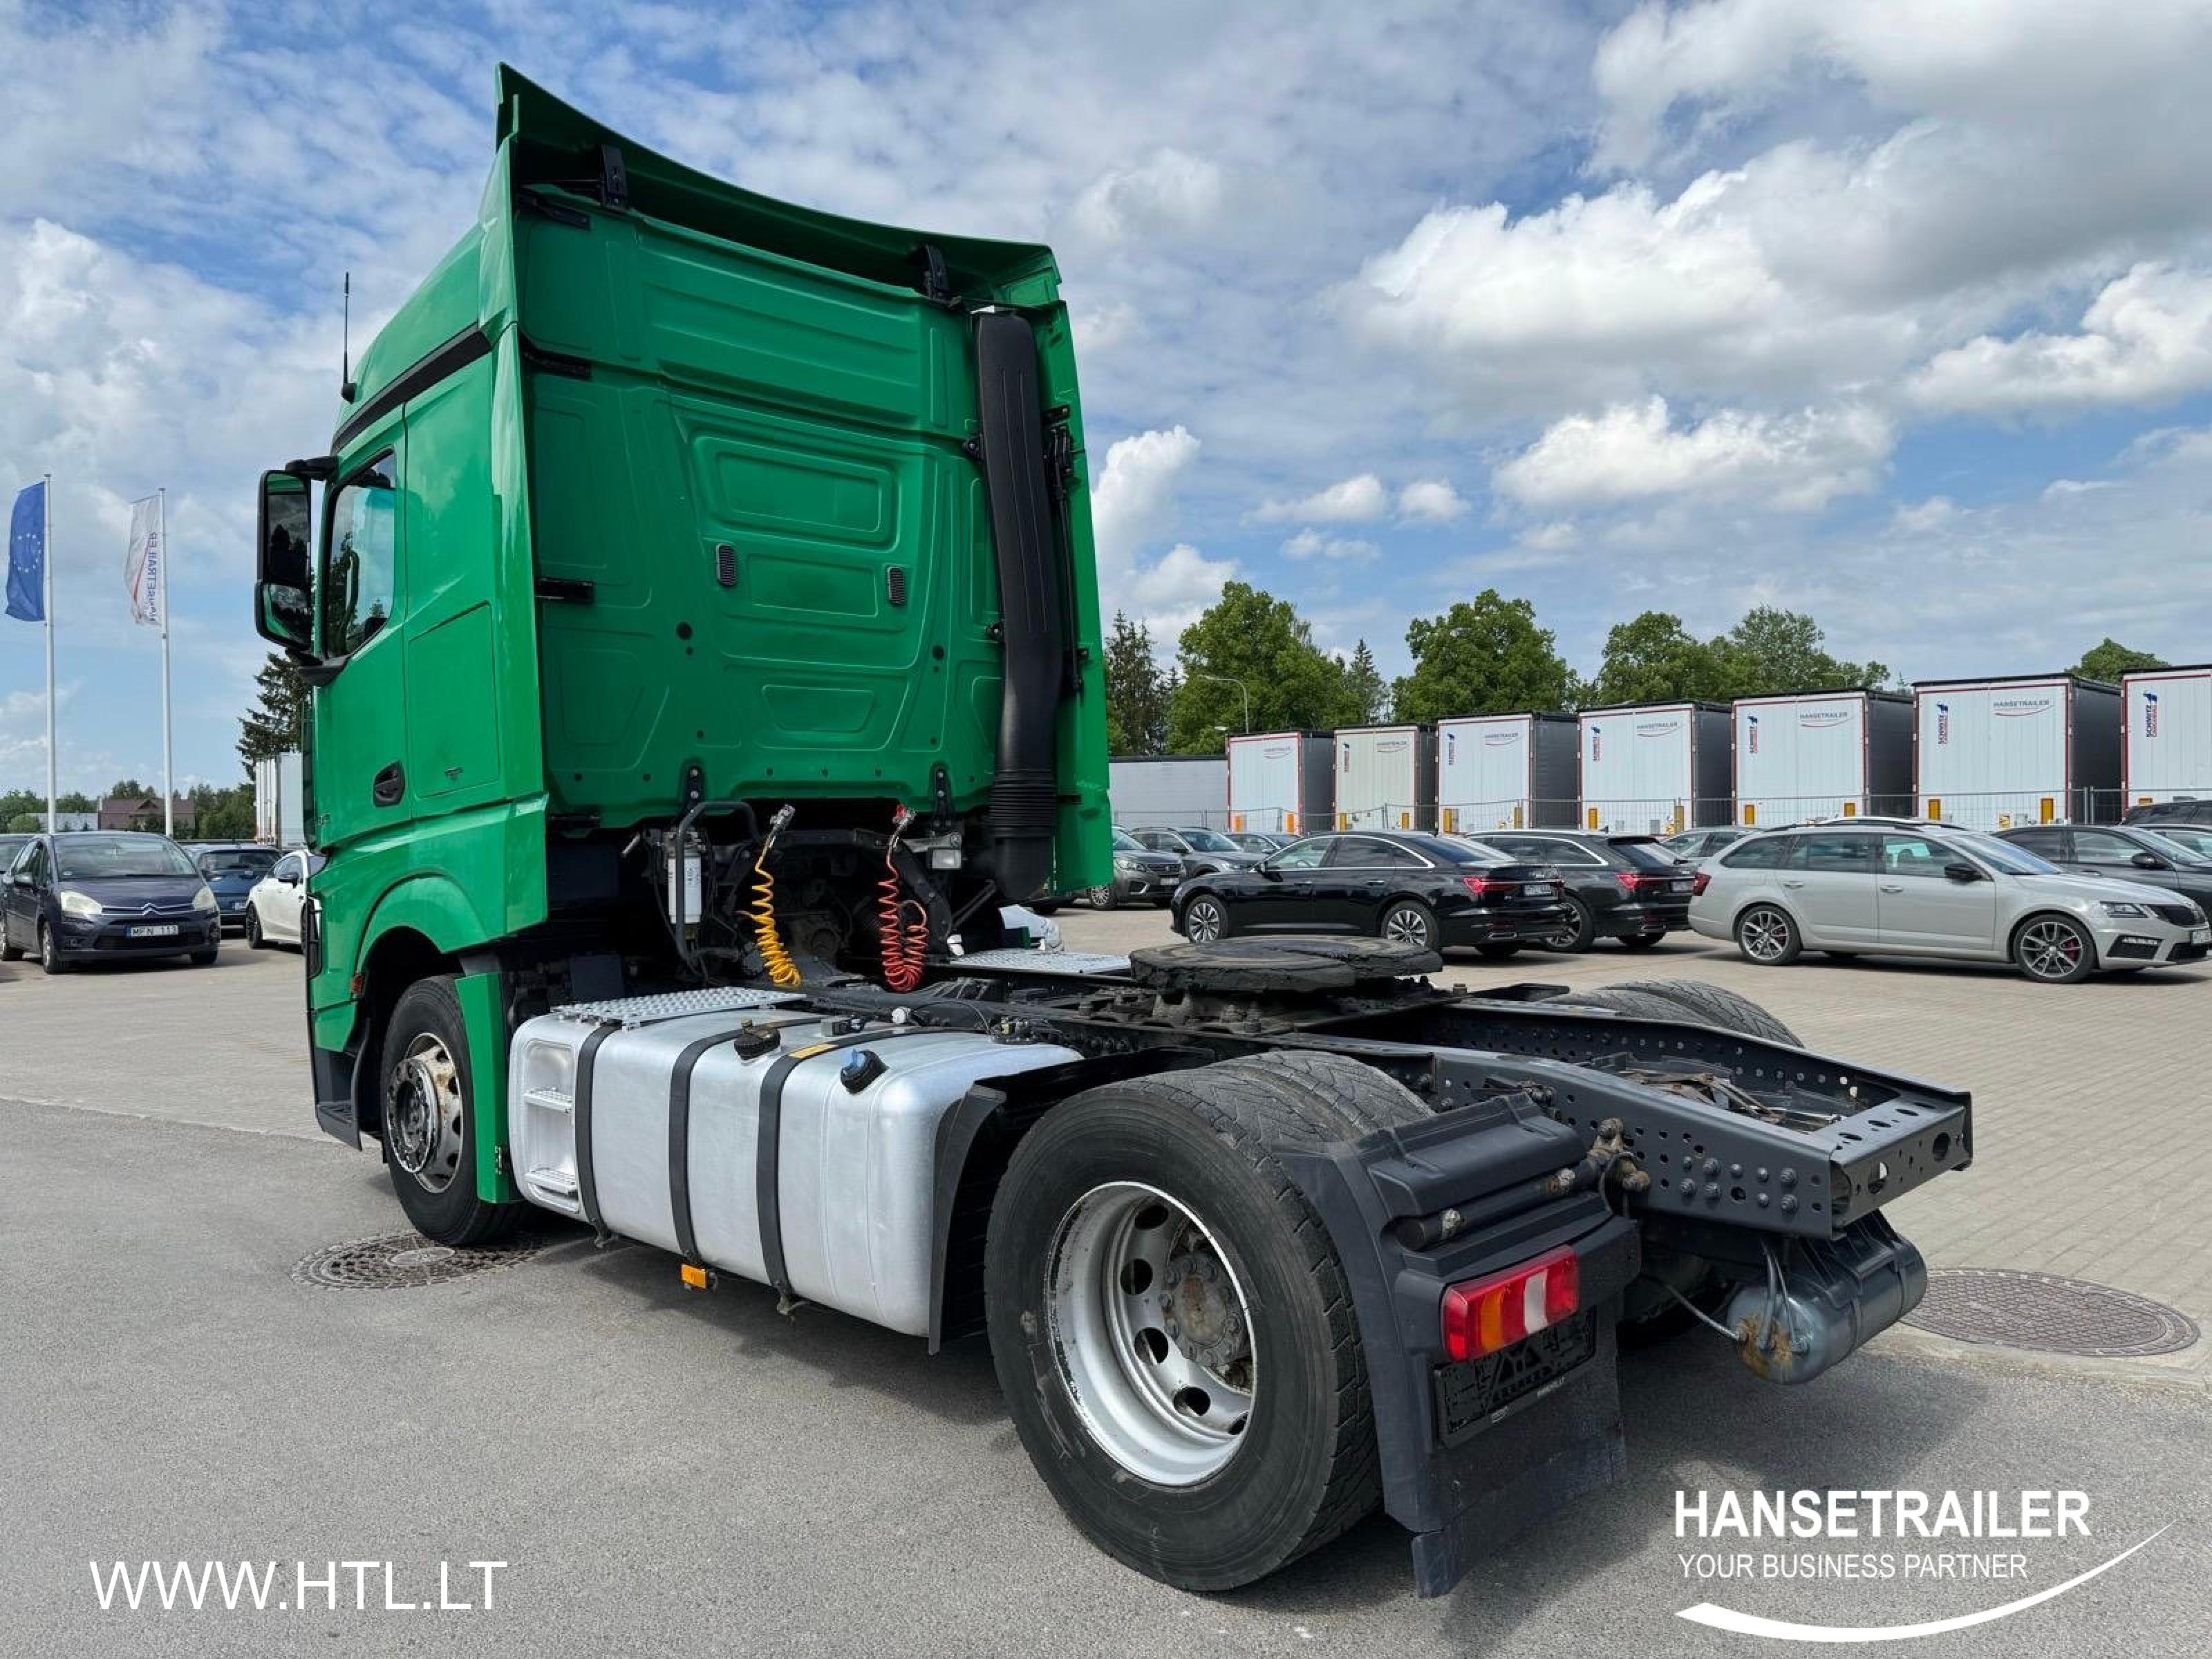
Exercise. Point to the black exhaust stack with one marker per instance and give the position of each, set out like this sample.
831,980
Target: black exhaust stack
1024,792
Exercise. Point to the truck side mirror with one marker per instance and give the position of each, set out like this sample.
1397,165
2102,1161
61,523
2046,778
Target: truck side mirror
283,602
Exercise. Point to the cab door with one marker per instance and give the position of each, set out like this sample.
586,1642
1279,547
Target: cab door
361,715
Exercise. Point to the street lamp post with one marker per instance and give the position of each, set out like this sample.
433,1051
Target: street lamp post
1241,692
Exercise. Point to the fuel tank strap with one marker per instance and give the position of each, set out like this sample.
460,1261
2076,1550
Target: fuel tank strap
587,1184
769,1154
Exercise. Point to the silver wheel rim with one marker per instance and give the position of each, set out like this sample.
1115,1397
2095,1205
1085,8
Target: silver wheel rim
1102,898
2051,950
48,953
1406,925
1203,922
1152,1334
422,1113
1765,935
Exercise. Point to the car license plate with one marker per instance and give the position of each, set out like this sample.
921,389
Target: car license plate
1683,886
1538,889
2200,936
162,930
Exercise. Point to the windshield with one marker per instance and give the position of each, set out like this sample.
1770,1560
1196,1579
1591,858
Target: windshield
238,861
94,858
2197,840
2174,847
1125,843
1210,841
2012,860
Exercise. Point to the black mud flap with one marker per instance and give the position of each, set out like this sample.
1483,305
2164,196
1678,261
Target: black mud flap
1474,1451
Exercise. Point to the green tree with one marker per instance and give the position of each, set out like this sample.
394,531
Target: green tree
224,814
1652,658
278,723
1138,690
76,801
128,789
1261,644
1486,656
1774,651
1363,686
16,802
2108,659
26,823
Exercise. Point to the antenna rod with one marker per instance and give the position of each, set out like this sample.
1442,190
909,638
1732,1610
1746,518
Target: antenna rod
345,341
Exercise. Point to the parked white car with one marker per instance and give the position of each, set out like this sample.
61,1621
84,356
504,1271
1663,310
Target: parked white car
1907,888
272,907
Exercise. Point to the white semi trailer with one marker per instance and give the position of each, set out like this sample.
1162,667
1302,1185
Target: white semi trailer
1507,772
1656,768
2167,752
1386,777
1832,754
1993,754
1281,782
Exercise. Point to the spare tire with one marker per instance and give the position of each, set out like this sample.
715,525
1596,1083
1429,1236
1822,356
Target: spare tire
1712,1005
1290,963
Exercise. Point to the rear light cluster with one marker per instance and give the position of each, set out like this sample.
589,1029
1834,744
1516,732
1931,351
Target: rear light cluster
1481,1316
1484,886
1700,882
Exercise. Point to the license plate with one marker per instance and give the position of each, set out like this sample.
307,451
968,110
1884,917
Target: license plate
162,930
1683,886
2200,936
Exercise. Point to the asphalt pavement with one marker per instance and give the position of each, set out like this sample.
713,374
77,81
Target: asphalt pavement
669,1472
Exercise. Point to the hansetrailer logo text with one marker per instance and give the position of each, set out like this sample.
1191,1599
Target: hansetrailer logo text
1896,1538
295,1586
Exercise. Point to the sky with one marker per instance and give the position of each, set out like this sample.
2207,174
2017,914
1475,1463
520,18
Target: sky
1897,313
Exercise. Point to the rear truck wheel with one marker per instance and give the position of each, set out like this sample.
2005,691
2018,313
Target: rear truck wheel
1644,941
1500,950
1578,932
1102,898
50,959
429,1126
1171,1328
2054,949
1409,921
1204,920
254,941
1766,935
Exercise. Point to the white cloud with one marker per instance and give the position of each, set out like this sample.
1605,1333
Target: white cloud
2147,338
1133,498
1172,593
1352,501
1548,538
1311,544
1169,190
1915,518
1430,501
1797,462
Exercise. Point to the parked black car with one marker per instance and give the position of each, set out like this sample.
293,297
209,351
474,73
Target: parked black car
2126,852
1631,887
1429,890
84,896
1202,851
231,873
2159,813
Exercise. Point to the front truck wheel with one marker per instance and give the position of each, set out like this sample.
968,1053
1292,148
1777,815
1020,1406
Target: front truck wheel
428,1119
1172,1331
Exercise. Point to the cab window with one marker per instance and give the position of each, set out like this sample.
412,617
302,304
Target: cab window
1912,855
360,557
1841,855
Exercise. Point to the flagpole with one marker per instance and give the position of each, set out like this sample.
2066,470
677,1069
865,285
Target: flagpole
162,576
46,501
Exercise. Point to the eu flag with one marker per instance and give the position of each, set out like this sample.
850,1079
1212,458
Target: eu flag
27,555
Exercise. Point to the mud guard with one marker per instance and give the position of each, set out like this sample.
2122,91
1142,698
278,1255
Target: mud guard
1474,1451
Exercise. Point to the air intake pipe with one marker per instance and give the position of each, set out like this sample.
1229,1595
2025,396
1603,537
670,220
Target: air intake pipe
1025,790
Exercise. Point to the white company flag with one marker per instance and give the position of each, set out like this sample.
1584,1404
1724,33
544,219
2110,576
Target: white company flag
141,563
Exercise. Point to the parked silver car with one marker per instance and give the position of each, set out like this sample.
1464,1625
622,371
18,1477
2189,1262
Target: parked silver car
1924,888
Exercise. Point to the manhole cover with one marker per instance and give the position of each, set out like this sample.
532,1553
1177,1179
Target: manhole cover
2006,1310
402,1262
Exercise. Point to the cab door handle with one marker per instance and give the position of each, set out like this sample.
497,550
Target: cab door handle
1892,887
389,785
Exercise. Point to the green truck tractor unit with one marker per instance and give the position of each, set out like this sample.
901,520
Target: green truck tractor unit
698,600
